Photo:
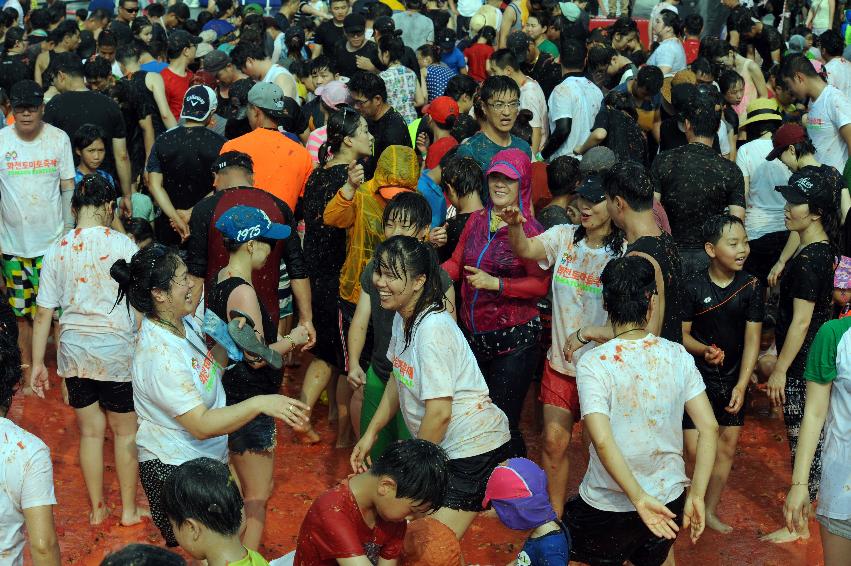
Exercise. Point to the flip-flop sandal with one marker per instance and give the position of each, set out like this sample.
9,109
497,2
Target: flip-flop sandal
246,339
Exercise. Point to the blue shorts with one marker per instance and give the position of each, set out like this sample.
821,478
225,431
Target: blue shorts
257,435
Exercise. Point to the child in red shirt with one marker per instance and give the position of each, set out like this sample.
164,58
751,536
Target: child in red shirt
365,515
691,44
479,52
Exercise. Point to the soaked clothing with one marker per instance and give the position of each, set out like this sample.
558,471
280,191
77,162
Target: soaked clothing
664,250
206,253
624,136
135,108
703,188
808,276
768,41
334,528
138,78
482,149
324,254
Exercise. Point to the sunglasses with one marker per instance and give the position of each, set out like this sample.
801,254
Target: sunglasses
131,10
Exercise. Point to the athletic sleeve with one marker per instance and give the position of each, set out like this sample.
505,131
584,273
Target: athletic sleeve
556,240
688,295
821,360
755,311
815,266
602,119
594,385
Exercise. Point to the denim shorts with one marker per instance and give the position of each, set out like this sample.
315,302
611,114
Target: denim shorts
258,435
838,527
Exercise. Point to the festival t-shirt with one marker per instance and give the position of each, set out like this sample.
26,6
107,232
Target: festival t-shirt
839,74
829,361
532,98
334,528
172,376
438,363
577,289
642,386
719,316
26,481
826,116
765,205
75,277
670,53
30,203
579,99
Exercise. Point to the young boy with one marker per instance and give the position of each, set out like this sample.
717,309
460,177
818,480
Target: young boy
518,493
562,179
723,310
407,214
204,506
363,519
693,29
461,180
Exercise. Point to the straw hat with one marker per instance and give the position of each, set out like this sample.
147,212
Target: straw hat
686,76
761,109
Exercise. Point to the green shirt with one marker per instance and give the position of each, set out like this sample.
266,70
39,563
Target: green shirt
251,559
548,46
821,361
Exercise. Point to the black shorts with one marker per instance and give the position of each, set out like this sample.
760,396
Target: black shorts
719,398
609,538
113,396
257,435
468,478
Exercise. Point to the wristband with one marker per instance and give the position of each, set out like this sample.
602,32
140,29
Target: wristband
292,342
580,338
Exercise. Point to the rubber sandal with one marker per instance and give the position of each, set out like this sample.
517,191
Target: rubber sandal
246,339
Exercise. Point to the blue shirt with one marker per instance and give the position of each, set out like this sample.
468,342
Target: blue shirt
154,66
552,549
221,27
78,176
455,60
437,76
434,195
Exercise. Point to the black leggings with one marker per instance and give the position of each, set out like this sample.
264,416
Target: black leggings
793,414
152,476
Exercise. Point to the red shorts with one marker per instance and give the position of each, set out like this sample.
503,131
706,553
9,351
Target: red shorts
559,390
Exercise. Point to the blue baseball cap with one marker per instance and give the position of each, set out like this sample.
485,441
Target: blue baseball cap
245,223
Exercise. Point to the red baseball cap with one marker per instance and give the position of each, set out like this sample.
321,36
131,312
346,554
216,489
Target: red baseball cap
786,135
437,150
441,108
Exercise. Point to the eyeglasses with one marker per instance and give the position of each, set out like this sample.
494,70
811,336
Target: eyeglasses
502,106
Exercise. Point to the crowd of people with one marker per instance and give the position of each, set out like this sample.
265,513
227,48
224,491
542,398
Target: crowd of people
448,212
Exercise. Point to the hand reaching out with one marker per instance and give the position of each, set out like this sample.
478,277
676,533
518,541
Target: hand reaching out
512,216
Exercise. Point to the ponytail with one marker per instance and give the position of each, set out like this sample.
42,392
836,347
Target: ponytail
344,122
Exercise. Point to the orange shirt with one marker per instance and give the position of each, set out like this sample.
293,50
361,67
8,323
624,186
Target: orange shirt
281,166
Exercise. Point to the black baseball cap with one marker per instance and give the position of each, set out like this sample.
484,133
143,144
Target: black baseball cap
591,189
180,39
234,159
26,94
354,23
808,187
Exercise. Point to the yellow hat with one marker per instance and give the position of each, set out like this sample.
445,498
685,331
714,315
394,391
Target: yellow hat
761,109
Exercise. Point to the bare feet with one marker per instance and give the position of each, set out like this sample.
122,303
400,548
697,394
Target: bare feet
784,535
134,517
345,439
99,515
714,523
307,435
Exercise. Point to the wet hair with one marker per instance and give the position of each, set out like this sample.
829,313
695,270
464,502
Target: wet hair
621,100
247,50
39,18
832,43
713,228
419,468
79,13
672,19
488,33
138,228
623,26
92,190
323,62
650,78
630,181
68,28
13,36
463,174
503,58
139,24
572,52
86,135
757,129
68,63
465,126
429,50
728,80
522,127
341,124
701,114
563,175
830,221
459,85
693,24
493,86
379,9
768,322
155,10
107,39
805,147
704,66
794,64
629,283
143,555
544,19
409,207
222,7
392,45
10,368
408,258
128,52
712,48
203,489
151,268
368,84
742,19
97,68
600,57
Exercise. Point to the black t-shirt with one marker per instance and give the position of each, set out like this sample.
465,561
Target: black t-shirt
328,35
552,215
671,136
454,227
135,107
808,276
122,31
185,157
546,71
241,381
14,68
382,322
70,110
694,183
664,250
765,43
388,130
138,79
623,135
719,316
346,61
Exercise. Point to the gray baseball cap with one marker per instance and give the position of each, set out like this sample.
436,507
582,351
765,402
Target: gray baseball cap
268,97
597,160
